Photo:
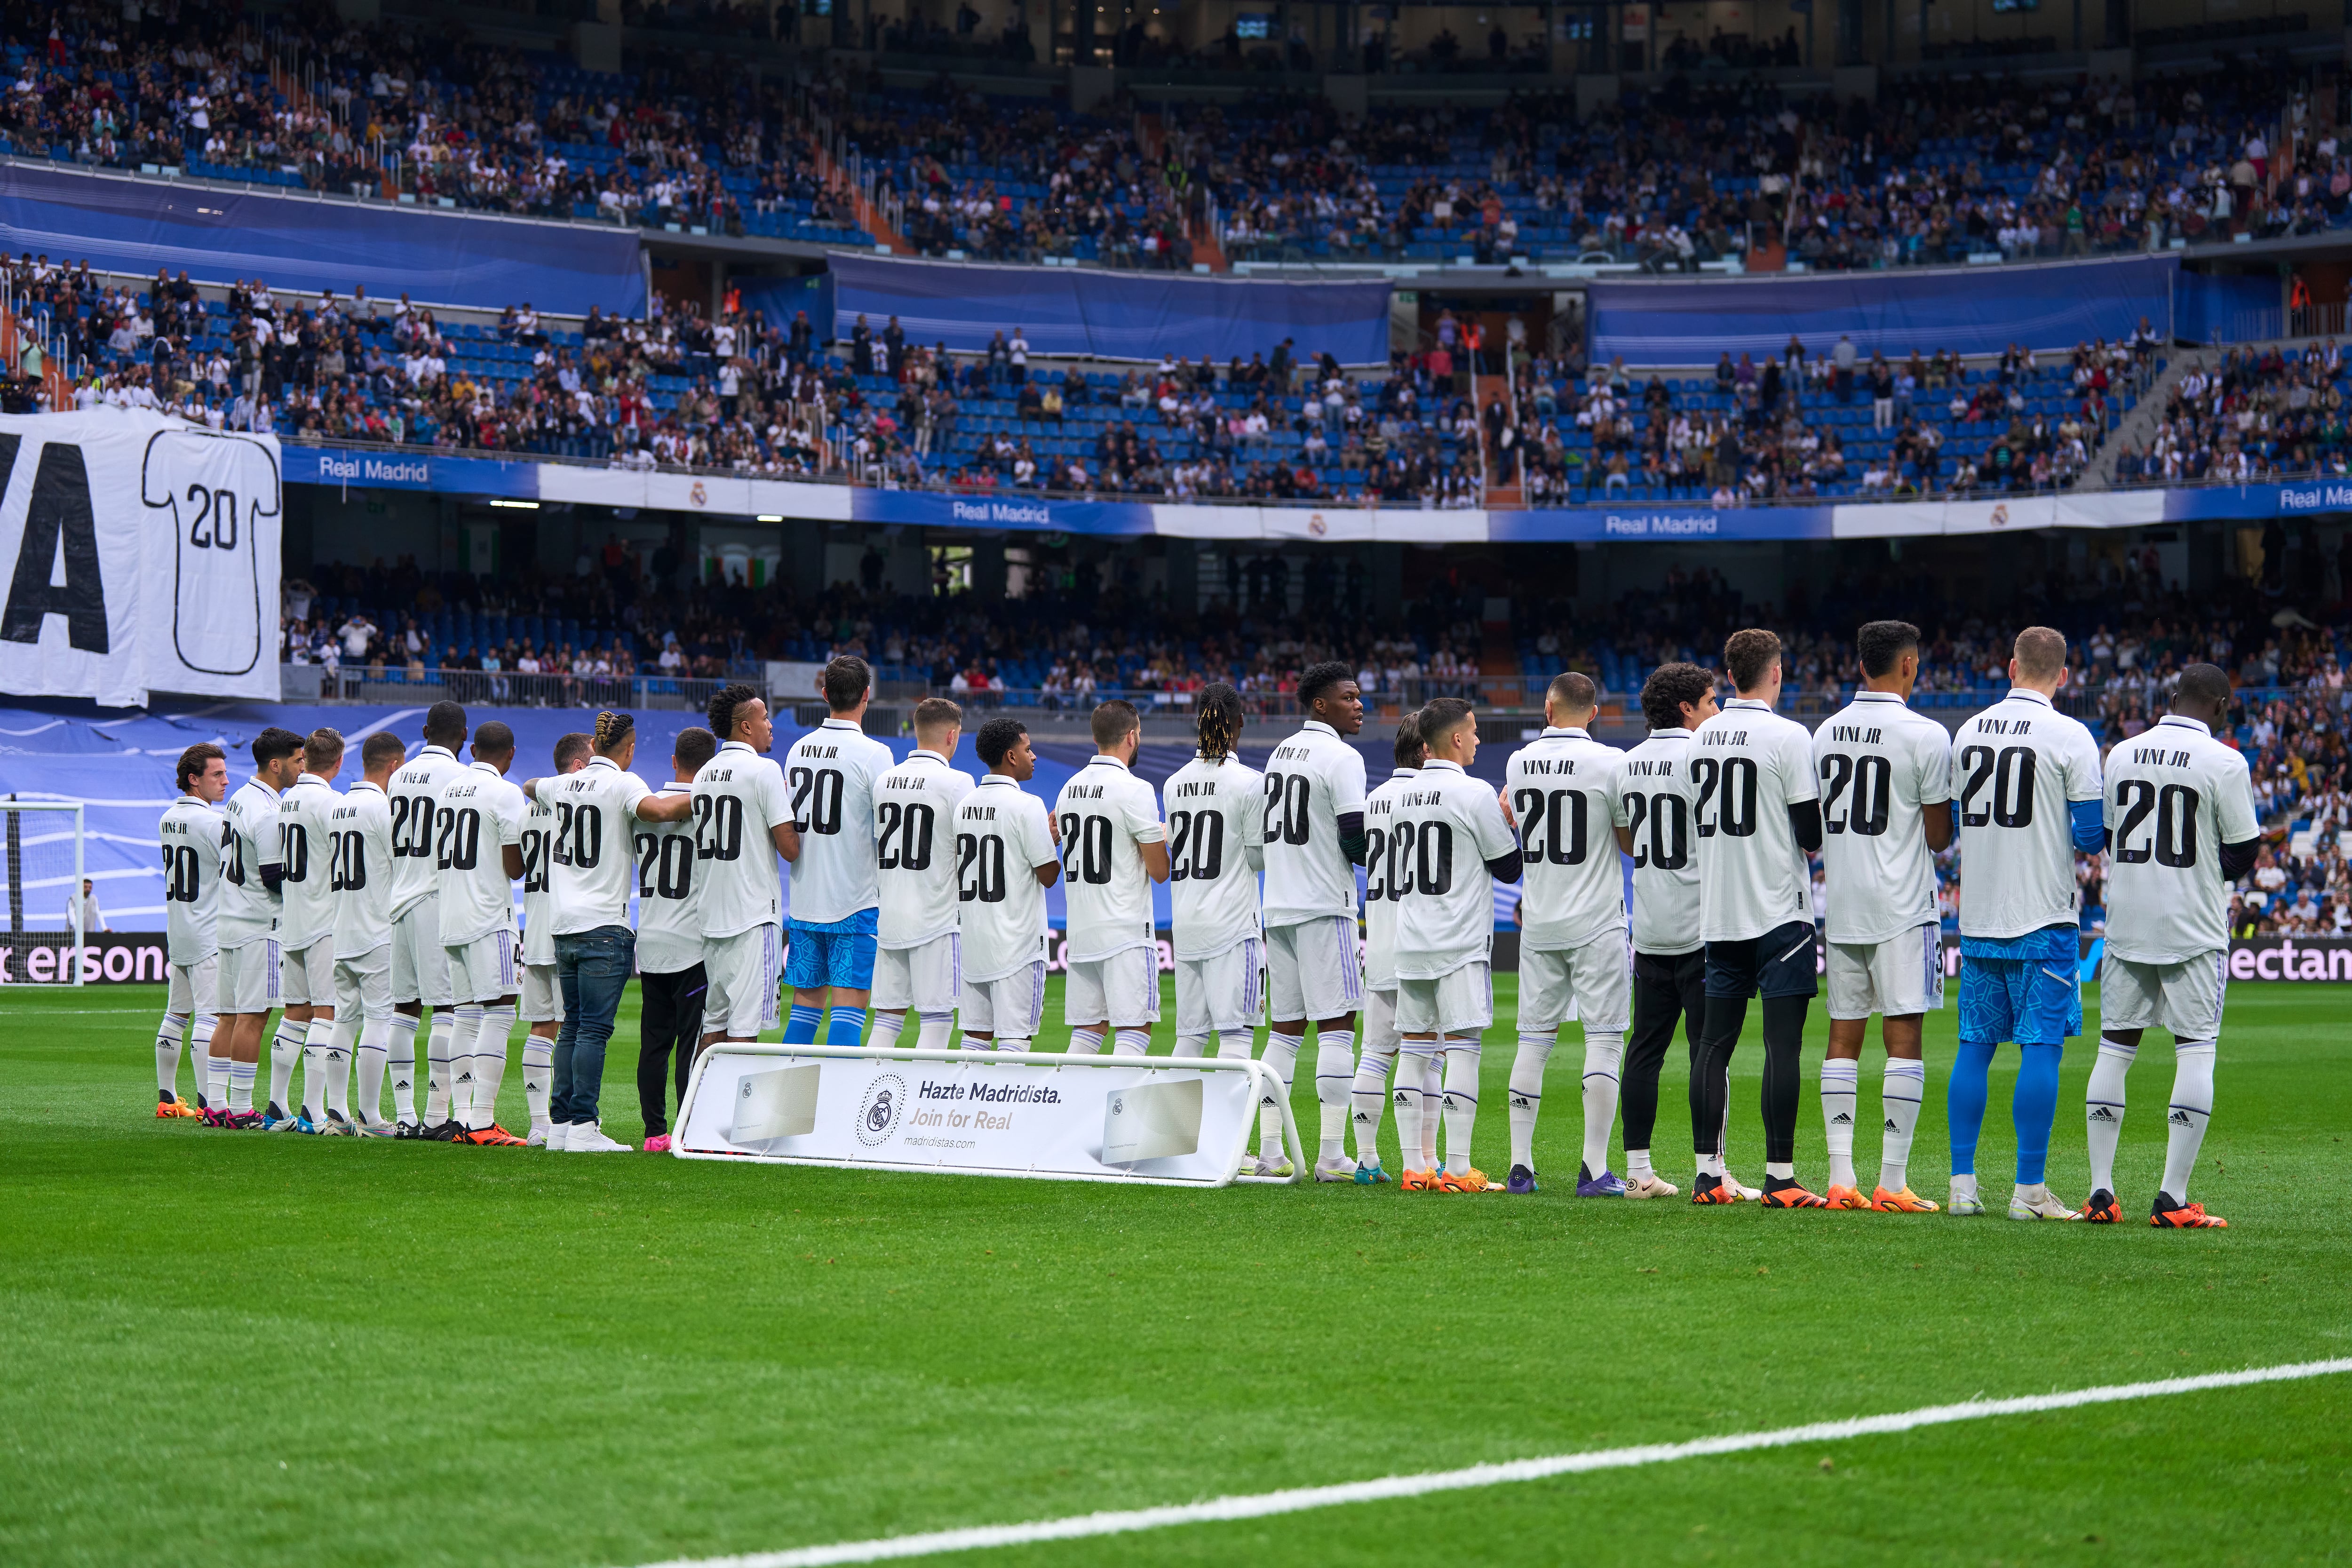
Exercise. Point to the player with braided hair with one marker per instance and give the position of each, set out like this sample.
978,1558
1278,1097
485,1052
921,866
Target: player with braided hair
1216,847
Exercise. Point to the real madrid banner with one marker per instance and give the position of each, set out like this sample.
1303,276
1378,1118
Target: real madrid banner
141,556
1159,1119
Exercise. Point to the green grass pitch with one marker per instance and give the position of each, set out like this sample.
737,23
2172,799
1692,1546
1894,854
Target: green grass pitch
253,1349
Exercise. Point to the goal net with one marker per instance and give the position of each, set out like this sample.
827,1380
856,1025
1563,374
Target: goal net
41,857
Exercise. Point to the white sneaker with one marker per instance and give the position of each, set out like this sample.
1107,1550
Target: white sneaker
1963,1200
558,1134
1338,1168
1650,1184
1273,1167
1752,1194
537,1139
2035,1202
588,1138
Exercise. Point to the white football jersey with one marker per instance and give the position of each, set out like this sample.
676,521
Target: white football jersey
1381,869
1563,789
537,901
2174,796
739,799
595,826
193,835
914,837
1447,827
2015,767
1105,812
1747,766
1312,780
1652,806
416,797
831,771
481,813
669,908
303,835
1216,847
248,910
1878,763
1002,837
361,861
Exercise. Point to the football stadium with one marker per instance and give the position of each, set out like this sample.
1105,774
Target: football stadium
1572,682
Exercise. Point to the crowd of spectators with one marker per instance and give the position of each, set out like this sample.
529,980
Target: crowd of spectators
2246,415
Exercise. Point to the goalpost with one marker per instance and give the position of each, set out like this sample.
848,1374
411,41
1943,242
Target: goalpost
43,854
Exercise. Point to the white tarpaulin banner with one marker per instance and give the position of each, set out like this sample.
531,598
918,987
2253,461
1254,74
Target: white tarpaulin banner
142,554
1159,1119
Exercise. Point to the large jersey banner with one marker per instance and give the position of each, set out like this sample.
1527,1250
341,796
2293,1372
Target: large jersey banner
1159,1119
140,554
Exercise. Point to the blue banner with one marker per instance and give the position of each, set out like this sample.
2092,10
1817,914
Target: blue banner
1112,315
1658,524
1974,310
2308,498
1021,513
409,469
128,224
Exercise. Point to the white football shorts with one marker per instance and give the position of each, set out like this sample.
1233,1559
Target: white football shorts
249,977
2184,998
542,997
363,985
1459,1003
193,988
742,972
1594,984
1895,978
1010,1008
1222,993
925,977
1314,969
420,965
306,978
1123,990
485,969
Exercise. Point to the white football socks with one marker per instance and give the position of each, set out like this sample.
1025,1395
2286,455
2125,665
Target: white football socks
1841,1095
538,1076
1088,1041
1367,1097
1335,1076
1414,1057
1461,1101
1131,1042
1281,1059
317,1040
1190,1046
491,1062
1234,1045
167,1056
240,1084
2103,1108
1527,1092
937,1030
887,1026
2192,1107
1604,1056
457,1061
216,1077
200,1050
342,1041
1432,1104
285,1050
1899,1094
437,1066
400,1061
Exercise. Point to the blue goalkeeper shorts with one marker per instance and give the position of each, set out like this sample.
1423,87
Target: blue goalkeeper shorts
839,953
2034,1001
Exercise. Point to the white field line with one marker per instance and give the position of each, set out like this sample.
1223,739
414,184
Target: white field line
1298,1499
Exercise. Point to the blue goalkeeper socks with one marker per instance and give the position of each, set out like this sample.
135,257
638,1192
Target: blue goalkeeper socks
1964,1103
800,1026
2033,1106
847,1026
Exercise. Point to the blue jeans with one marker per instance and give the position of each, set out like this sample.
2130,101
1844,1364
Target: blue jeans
592,968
